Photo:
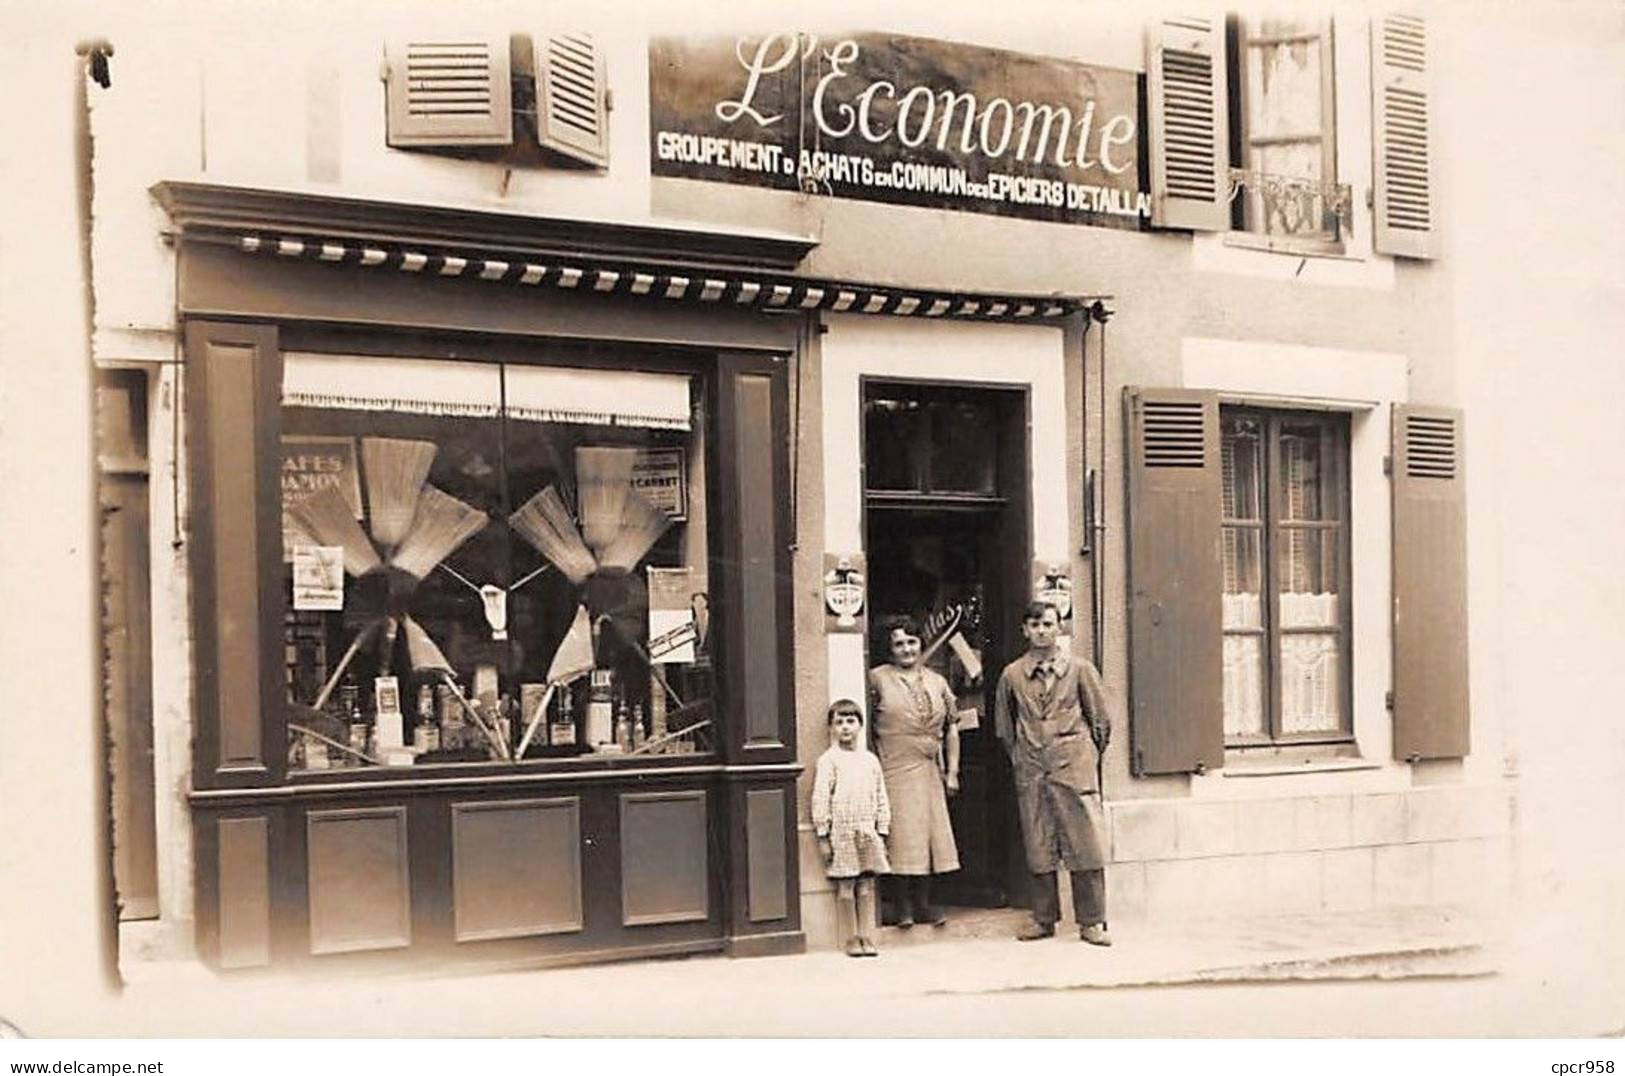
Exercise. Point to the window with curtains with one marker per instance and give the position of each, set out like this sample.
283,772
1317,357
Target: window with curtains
1285,543
1284,130
493,561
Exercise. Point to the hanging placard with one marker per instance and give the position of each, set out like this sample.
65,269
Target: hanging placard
673,632
1053,583
844,592
661,475
318,578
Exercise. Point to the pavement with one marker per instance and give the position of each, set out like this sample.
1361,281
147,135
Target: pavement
973,957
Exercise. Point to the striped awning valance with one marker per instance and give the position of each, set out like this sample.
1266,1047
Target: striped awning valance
726,286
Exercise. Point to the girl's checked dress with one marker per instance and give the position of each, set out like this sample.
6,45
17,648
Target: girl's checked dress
849,806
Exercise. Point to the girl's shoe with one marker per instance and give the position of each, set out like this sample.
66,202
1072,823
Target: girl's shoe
856,947
869,947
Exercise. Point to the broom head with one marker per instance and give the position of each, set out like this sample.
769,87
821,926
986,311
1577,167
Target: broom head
440,525
603,480
326,517
421,649
545,523
574,657
642,524
395,470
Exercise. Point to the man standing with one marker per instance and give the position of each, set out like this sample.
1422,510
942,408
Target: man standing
1050,714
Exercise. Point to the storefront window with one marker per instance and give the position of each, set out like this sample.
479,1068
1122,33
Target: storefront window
492,562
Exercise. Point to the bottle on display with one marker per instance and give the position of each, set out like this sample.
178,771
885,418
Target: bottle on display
562,731
623,728
601,710
638,735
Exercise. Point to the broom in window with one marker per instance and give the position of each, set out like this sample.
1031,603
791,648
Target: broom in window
395,470
545,523
603,481
426,656
571,660
641,526
440,524
326,517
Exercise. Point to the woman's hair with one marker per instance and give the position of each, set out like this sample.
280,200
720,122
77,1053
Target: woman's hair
900,621
843,706
1036,609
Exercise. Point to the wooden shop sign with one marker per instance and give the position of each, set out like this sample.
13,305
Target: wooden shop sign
904,120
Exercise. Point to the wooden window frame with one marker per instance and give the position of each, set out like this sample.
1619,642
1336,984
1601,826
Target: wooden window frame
1240,37
1269,527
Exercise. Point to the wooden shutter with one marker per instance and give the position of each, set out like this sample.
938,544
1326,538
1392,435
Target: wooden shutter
1430,584
232,376
1176,700
1402,165
1188,101
449,92
572,97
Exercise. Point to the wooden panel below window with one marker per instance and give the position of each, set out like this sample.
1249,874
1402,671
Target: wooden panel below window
664,858
245,892
516,868
765,844
359,891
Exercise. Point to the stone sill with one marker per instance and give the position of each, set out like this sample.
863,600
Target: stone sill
1276,768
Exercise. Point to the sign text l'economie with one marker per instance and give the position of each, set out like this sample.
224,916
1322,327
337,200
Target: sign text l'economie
916,138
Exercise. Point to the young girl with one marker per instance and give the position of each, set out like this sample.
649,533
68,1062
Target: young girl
852,815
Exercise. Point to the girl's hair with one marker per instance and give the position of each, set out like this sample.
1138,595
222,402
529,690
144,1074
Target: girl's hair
1036,609
843,706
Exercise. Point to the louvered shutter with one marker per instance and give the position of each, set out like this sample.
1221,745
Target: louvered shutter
1188,102
572,97
1176,672
1402,166
1430,584
449,92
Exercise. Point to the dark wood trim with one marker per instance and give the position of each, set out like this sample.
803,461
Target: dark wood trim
217,453
784,943
213,207
742,916
729,537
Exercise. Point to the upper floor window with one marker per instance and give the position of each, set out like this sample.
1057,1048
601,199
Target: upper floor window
1283,130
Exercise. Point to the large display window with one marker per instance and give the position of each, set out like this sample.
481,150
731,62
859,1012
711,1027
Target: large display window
493,562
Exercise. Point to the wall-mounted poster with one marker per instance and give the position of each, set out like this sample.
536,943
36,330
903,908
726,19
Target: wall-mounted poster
844,592
310,464
906,120
318,578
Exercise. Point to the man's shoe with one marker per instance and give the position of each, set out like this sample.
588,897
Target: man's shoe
1035,931
1095,934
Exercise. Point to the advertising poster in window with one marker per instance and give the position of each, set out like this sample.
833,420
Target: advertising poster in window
673,632
905,120
310,464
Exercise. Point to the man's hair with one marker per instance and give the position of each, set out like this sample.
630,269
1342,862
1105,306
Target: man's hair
1036,609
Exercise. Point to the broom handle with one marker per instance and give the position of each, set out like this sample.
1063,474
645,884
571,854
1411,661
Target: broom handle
302,730
650,744
496,741
344,663
535,720
654,670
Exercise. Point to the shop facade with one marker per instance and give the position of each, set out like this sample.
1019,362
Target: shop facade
527,475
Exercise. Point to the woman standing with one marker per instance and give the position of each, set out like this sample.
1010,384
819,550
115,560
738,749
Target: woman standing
917,739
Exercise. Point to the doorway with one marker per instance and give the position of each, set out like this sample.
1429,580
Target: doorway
946,533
